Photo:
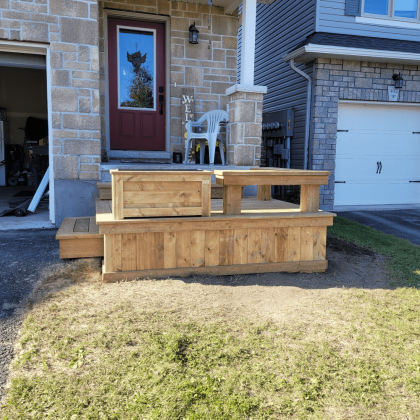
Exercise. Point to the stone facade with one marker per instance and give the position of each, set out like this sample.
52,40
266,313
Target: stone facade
245,116
71,30
208,67
336,80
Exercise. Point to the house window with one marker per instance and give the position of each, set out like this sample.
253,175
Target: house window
399,9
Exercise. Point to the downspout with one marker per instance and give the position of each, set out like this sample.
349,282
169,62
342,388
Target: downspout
308,110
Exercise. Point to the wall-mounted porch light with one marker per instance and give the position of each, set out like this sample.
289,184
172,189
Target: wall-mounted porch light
193,34
398,80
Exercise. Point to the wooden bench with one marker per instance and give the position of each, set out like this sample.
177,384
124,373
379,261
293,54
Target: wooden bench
79,237
160,194
233,181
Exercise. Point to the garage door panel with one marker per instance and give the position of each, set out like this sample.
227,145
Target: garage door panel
356,143
370,194
361,116
377,133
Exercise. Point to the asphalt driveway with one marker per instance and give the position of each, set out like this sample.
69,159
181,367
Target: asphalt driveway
402,223
23,254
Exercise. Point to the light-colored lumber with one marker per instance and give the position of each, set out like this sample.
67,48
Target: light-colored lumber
278,179
309,198
226,270
139,194
264,192
267,246
80,238
240,246
306,243
232,195
281,244
128,252
294,243
206,198
254,246
320,242
226,247
170,246
212,248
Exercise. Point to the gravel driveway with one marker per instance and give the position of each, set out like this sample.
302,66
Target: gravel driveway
23,254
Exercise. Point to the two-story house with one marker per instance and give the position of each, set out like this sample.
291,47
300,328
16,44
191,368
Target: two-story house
350,69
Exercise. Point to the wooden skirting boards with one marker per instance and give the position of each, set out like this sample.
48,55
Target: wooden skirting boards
288,267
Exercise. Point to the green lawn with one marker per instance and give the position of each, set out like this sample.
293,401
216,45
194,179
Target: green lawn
173,350
403,257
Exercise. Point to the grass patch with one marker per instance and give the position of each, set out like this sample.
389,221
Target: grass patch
165,350
403,257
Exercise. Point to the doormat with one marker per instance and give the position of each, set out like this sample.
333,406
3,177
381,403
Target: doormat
24,194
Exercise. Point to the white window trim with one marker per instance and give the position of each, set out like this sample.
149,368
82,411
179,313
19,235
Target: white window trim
390,16
137,29
387,22
40,49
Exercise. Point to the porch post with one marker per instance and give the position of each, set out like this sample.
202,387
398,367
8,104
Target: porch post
249,19
245,99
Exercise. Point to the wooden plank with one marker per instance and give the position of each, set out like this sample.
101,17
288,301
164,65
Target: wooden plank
197,248
281,244
270,172
162,197
66,227
254,246
165,177
170,249
216,191
264,192
183,249
116,252
268,252
240,253
82,225
108,253
206,199
157,247
129,253
212,248
168,186
288,267
93,227
232,200
177,225
273,180
293,245
162,212
82,247
320,242
226,250
117,197
142,251
306,243
309,198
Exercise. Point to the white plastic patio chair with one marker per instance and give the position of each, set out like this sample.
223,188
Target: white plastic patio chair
213,118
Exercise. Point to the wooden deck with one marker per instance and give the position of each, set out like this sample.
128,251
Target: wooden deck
267,237
238,236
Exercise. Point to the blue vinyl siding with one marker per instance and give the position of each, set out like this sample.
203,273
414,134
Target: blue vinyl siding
280,27
331,18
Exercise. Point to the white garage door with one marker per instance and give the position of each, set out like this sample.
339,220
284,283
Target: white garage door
377,155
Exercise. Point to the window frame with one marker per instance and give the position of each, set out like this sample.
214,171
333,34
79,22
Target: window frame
391,10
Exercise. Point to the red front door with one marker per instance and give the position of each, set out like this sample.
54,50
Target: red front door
136,58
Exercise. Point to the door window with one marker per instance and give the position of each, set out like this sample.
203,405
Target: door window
136,69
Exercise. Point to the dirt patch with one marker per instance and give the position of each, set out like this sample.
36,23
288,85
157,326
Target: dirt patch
341,245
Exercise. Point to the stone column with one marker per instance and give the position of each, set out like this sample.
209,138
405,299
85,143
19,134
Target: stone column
245,124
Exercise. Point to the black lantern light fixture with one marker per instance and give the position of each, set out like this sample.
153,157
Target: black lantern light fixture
398,80
193,34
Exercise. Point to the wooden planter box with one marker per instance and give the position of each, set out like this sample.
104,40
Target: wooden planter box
160,194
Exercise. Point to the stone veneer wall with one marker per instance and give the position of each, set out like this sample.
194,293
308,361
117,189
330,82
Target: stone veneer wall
209,71
336,80
70,27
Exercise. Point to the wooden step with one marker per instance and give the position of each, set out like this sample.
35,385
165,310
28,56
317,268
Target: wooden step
105,190
80,238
